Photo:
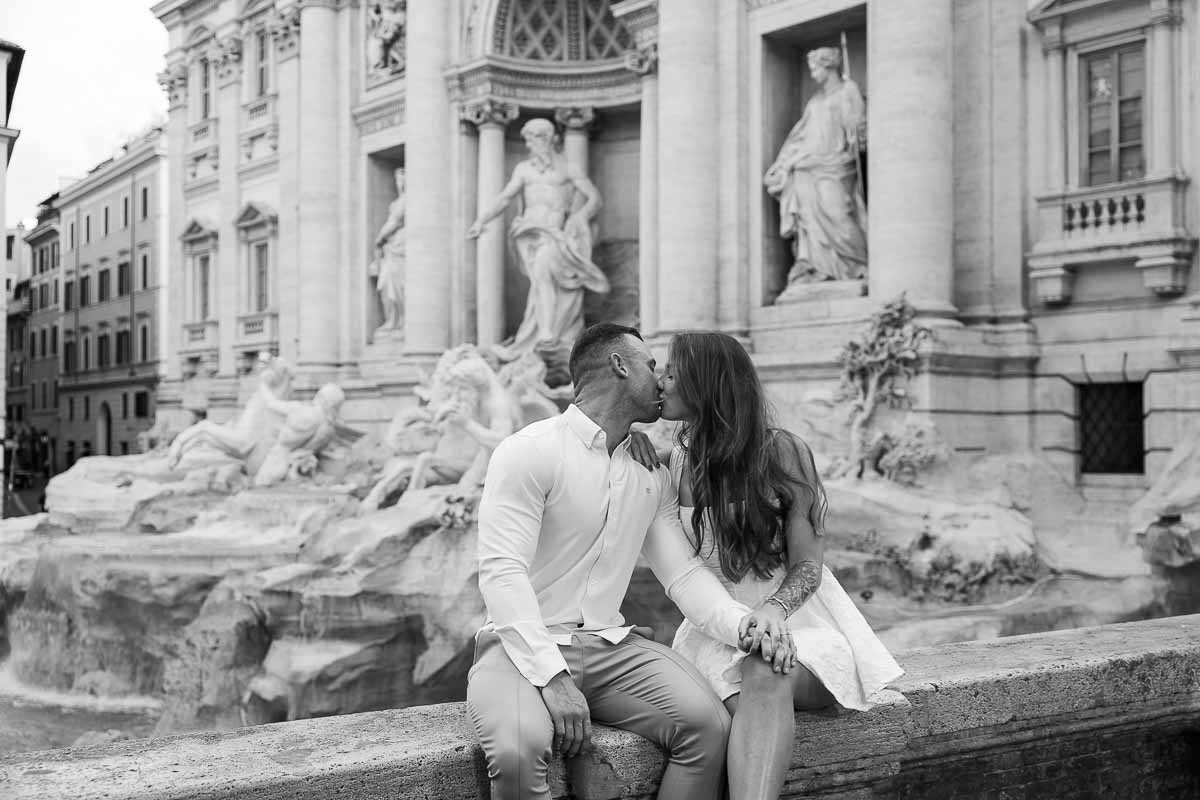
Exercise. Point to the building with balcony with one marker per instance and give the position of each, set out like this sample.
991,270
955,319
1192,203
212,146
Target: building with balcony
1026,171
112,234
16,357
11,57
45,326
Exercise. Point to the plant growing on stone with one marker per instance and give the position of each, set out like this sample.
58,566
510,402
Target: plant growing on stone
912,451
875,370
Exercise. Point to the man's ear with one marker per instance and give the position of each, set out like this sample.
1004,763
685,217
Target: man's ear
617,363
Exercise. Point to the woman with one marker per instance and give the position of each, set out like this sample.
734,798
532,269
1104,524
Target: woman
753,504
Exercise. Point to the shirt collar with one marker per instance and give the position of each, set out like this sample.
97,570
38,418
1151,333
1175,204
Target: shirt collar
583,426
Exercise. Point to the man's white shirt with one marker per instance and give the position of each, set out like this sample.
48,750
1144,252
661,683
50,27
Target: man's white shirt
561,524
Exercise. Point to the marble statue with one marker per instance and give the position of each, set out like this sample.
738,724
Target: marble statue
816,178
307,429
386,21
552,236
388,267
468,411
246,438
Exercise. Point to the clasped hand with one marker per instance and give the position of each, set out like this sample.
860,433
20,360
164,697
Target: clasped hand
765,631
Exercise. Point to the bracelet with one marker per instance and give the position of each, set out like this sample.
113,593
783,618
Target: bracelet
787,612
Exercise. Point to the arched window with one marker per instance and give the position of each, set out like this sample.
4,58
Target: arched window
565,30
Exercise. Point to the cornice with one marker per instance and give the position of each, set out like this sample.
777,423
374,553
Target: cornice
489,112
544,84
146,152
379,114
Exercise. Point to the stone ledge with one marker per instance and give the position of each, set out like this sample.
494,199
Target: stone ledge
1020,708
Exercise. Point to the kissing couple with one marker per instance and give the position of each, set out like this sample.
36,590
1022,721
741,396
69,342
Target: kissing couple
733,529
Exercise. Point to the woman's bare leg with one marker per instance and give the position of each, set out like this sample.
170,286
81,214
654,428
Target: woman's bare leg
760,743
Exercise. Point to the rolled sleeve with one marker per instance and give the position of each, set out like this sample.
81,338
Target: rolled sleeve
699,594
510,518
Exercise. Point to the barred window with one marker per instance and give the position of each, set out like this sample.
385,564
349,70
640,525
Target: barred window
1111,438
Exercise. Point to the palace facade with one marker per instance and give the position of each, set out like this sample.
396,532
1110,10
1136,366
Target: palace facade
1025,169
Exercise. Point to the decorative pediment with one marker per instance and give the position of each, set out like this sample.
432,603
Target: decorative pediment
254,214
198,236
1048,10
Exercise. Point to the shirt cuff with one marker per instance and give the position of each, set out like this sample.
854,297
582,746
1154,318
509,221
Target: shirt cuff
533,652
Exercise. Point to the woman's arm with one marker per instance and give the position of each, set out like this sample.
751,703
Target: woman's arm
805,549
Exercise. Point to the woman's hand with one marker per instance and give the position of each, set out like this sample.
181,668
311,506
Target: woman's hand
764,630
643,450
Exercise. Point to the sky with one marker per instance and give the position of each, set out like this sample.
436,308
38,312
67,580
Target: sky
88,83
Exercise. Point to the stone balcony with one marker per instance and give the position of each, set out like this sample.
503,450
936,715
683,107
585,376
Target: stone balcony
259,112
258,331
202,135
199,336
1137,221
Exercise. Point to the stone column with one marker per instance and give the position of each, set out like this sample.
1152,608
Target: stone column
173,301
644,61
490,117
227,274
1161,87
910,117
1056,84
427,151
285,30
318,179
577,123
687,158
640,18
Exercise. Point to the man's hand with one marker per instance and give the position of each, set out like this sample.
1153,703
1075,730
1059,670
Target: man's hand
764,630
569,712
476,230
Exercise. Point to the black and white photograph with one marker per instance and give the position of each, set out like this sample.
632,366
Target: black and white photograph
600,400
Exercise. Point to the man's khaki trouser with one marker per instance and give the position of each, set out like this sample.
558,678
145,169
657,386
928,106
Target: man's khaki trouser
637,685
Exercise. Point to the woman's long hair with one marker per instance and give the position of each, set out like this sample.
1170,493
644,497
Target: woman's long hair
743,481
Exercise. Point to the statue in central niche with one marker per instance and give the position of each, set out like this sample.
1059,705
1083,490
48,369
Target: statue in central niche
816,179
552,236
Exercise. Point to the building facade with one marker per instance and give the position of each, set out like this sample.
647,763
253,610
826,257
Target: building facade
114,265
45,328
11,57
16,360
1024,168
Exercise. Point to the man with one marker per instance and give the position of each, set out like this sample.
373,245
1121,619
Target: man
564,513
552,238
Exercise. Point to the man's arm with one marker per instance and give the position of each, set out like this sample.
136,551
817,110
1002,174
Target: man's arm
510,518
584,185
690,585
487,214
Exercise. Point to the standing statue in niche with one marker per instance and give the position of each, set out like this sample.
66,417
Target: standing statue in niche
816,178
553,238
385,36
388,267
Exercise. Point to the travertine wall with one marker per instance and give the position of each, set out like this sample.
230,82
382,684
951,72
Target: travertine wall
1112,711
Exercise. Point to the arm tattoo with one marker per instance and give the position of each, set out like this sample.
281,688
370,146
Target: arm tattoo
799,584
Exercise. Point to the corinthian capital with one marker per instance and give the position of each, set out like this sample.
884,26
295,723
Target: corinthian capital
285,30
642,60
577,119
228,58
489,111
174,81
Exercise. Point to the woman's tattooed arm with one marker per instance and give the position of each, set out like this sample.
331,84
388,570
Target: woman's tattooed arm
798,585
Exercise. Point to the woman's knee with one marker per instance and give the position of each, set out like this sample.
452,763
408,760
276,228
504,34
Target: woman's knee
759,679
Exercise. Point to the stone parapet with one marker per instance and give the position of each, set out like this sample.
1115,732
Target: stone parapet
1110,711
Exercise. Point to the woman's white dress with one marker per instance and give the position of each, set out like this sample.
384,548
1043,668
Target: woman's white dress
832,639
